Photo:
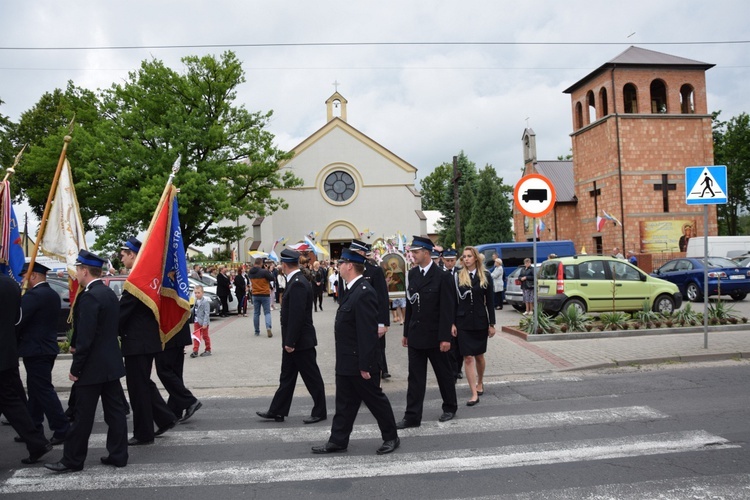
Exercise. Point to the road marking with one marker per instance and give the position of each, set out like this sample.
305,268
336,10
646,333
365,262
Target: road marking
359,466
283,433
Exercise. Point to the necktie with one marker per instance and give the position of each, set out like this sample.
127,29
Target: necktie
422,271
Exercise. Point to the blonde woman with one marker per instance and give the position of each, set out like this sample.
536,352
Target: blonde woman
475,318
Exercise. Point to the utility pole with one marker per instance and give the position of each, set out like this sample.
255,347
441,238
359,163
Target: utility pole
456,208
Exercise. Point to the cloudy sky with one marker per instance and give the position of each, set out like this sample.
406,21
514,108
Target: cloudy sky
425,102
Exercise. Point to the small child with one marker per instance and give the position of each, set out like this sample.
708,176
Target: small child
202,319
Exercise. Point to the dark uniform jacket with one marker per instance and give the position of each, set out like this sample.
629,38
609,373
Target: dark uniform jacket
476,311
430,308
37,331
222,285
95,319
375,275
297,328
139,329
10,311
356,331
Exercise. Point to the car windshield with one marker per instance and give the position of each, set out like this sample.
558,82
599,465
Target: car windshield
721,262
209,280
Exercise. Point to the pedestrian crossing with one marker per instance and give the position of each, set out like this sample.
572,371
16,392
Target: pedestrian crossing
361,462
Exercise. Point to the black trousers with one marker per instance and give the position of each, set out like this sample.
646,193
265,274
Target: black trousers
455,358
13,406
70,412
87,398
146,403
351,392
383,362
417,383
305,364
43,400
169,368
224,305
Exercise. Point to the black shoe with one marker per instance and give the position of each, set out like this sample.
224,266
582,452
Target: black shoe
313,420
162,430
4,421
404,424
19,439
108,461
389,446
265,414
472,402
138,442
191,410
54,441
448,415
61,467
385,375
329,447
34,457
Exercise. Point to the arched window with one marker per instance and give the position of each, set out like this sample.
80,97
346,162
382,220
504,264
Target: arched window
603,102
579,116
658,96
687,99
630,98
591,103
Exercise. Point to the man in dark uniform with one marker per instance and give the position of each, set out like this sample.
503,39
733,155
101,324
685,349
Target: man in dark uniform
37,345
457,361
298,340
139,334
12,405
375,275
96,370
357,361
170,365
430,309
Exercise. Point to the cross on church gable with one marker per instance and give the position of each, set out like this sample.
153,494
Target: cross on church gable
595,193
665,187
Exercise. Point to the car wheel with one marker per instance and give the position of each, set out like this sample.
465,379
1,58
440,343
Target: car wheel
693,293
664,304
738,295
578,304
519,308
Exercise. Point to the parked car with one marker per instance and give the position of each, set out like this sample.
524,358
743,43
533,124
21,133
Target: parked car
725,277
598,283
513,291
210,295
742,260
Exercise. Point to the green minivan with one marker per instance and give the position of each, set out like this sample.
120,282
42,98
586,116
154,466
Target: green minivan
597,283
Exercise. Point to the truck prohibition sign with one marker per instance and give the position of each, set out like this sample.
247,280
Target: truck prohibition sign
539,195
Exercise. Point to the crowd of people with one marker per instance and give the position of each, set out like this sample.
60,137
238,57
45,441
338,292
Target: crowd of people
447,312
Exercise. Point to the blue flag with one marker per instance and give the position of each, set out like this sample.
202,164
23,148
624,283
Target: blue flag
11,251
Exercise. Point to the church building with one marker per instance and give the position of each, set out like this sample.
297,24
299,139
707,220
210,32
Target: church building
638,121
353,187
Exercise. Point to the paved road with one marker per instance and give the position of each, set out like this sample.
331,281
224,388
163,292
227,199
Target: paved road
671,433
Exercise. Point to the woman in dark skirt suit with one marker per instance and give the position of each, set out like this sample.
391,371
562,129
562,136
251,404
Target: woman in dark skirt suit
475,318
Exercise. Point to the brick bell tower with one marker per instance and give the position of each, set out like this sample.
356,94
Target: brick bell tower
638,121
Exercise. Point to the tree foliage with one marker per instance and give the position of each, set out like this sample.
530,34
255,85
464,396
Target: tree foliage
732,148
433,187
127,138
490,220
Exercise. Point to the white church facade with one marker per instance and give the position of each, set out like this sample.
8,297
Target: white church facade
353,187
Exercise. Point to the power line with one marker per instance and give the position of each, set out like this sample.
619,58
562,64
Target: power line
360,44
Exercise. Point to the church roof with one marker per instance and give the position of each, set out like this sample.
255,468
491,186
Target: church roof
560,173
637,57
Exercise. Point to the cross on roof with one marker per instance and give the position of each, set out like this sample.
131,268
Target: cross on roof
336,85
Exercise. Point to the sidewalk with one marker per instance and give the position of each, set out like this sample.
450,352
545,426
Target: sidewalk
245,365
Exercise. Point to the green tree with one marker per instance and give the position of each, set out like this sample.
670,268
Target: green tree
130,135
433,187
732,148
467,171
491,222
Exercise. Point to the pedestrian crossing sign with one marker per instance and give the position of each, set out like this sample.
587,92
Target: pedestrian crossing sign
706,185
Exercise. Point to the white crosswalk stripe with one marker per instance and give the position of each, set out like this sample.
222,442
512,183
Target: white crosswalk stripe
345,466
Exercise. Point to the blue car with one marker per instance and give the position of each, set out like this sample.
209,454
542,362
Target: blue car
725,277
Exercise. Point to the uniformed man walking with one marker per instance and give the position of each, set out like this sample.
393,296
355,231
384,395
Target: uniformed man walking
430,309
357,362
96,370
298,355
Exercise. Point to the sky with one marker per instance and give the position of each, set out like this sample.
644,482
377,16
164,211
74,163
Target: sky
413,82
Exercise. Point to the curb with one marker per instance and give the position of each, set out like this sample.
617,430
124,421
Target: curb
692,358
621,333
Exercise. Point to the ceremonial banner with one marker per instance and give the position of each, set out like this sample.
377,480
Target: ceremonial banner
64,235
11,251
160,277
666,235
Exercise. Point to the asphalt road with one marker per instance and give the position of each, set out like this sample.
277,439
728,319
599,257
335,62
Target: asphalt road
666,432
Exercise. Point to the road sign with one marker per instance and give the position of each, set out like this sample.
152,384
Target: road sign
706,185
534,195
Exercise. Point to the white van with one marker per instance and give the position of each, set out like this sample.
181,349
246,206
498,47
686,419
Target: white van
719,246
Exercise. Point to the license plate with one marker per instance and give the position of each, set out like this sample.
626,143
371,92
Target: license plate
736,277
543,289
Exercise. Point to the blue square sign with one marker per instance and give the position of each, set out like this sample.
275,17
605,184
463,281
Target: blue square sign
706,185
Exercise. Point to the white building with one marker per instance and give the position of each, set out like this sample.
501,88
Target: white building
353,187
